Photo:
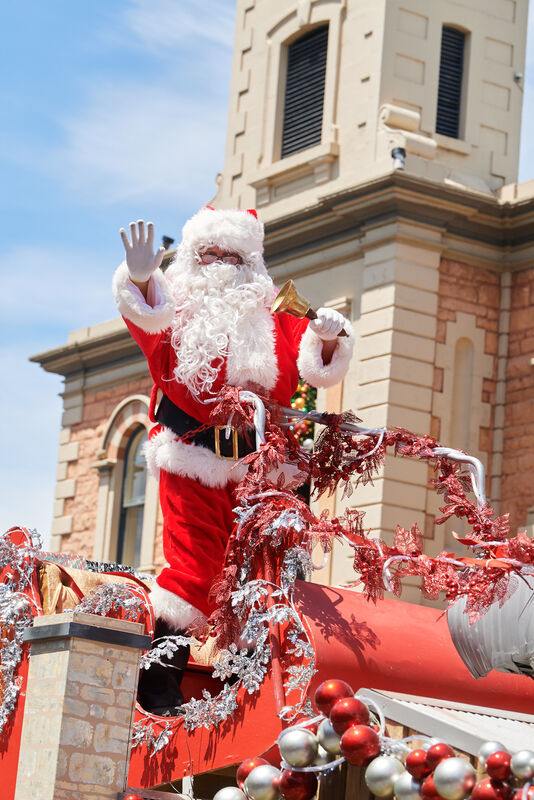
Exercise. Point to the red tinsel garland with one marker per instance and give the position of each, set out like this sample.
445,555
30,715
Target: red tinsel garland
344,458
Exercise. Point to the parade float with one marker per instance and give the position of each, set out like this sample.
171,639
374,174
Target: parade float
263,679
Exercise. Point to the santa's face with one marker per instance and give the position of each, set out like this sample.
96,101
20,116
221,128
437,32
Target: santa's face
220,298
211,253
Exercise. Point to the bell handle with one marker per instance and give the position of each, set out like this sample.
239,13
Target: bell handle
311,314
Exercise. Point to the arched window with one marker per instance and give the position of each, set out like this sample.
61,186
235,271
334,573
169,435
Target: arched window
304,92
132,501
451,68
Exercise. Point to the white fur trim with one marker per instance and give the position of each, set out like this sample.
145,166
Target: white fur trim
310,360
255,363
176,611
228,228
166,451
134,307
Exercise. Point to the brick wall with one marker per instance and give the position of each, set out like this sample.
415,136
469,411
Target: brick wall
470,290
518,456
476,291
97,409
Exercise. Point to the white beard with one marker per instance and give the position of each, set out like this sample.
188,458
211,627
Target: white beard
222,315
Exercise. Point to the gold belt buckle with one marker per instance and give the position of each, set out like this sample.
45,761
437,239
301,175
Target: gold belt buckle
235,445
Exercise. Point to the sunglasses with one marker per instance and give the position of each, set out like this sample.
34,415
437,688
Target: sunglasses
209,256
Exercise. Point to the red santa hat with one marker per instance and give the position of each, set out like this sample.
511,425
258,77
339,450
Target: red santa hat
239,231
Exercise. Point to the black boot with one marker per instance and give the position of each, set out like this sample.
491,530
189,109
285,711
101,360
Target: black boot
159,687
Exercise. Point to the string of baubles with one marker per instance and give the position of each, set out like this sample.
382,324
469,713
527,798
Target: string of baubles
350,728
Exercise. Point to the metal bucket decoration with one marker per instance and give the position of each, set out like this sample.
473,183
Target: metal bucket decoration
503,638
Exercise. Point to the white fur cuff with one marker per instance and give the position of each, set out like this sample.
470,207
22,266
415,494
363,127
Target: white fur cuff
166,451
176,611
310,360
134,307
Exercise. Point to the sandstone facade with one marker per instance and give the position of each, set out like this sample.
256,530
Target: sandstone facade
432,261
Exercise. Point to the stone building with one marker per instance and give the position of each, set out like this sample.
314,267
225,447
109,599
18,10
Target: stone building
429,251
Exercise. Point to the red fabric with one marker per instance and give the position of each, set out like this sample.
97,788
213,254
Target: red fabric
157,348
198,520
197,525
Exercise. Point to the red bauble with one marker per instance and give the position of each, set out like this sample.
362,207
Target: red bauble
417,765
133,797
437,753
498,765
245,768
490,789
359,745
294,785
313,727
346,712
328,692
428,790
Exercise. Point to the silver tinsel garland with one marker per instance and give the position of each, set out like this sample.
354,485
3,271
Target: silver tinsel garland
19,563
258,604
15,613
114,597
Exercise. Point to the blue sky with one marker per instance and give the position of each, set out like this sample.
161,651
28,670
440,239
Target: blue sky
111,111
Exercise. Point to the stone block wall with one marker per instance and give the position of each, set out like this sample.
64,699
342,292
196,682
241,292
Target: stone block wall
80,702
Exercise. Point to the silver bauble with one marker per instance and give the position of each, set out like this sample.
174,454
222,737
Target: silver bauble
230,793
454,778
322,757
381,773
522,764
488,748
328,738
406,787
298,747
262,783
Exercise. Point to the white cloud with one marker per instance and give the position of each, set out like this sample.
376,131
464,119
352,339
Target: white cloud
53,288
45,293
134,141
163,24
159,138
31,410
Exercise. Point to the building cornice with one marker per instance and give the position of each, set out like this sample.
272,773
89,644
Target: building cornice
467,220
91,354
464,225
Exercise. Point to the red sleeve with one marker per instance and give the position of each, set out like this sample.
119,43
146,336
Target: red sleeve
156,347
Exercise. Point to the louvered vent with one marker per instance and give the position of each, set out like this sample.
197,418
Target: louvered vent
304,100
450,82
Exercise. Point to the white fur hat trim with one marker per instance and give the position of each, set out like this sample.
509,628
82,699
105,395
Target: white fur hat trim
239,231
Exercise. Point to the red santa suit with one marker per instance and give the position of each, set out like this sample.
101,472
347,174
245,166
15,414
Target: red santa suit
197,487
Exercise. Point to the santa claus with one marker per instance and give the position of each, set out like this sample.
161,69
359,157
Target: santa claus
202,324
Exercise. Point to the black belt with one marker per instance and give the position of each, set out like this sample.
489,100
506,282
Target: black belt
214,439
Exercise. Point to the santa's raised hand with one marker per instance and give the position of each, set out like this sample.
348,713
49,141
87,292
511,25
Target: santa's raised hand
140,257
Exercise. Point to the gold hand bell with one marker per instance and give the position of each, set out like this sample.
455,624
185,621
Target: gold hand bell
290,301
